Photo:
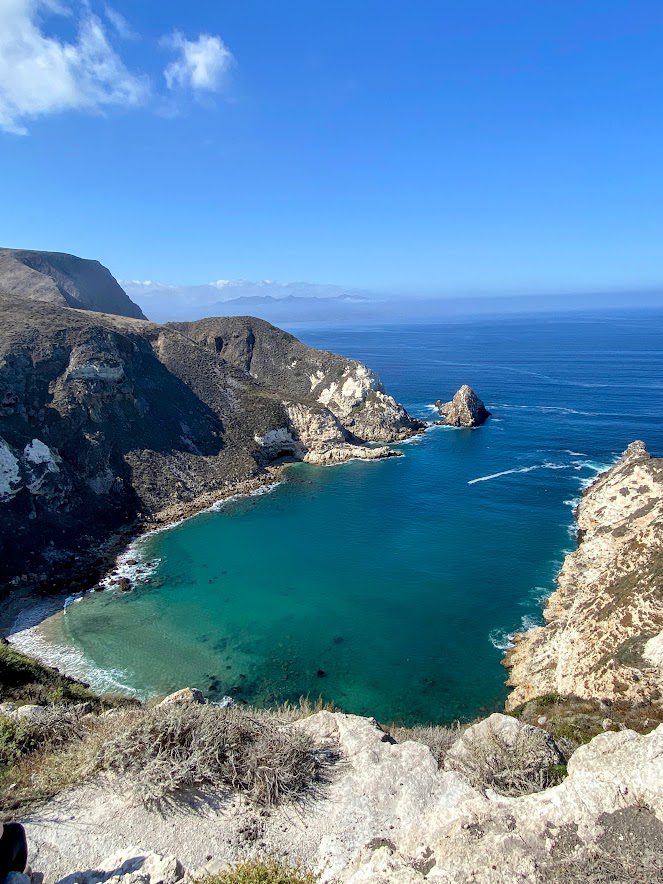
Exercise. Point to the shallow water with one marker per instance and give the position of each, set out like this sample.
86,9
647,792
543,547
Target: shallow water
391,587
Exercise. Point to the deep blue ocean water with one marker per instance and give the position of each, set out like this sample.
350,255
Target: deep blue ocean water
391,588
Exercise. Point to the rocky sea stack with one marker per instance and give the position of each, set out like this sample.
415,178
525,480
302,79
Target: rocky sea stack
464,410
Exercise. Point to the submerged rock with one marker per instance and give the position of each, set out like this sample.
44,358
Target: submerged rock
464,410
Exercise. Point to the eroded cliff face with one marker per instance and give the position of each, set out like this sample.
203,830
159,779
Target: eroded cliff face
603,635
322,380
106,420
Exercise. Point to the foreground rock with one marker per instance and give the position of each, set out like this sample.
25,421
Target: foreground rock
464,410
131,866
107,422
183,697
389,814
603,634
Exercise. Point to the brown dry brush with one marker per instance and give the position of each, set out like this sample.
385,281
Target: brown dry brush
160,754
165,750
521,767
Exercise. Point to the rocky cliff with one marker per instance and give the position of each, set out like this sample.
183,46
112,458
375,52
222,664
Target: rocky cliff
65,280
603,636
106,420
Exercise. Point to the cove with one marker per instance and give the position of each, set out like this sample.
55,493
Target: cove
390,588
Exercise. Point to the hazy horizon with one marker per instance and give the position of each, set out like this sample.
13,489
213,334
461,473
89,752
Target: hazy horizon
305,301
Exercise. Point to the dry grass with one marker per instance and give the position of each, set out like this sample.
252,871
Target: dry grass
521,767
54,727
601,867
165,754
261,873
438,738
166,750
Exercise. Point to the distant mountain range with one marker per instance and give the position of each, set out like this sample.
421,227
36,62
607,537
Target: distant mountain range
165,303
293,302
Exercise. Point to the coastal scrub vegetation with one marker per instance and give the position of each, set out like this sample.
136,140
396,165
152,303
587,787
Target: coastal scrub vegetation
511,767
163,754
256,872
51,730
165,750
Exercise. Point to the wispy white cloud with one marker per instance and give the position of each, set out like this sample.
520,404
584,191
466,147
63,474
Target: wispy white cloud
40,74
202,64
120,24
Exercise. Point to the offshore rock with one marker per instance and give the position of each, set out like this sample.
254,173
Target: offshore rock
464,410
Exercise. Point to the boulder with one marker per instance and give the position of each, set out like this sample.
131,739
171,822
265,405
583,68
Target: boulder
464,410
131,866
186,695
30,712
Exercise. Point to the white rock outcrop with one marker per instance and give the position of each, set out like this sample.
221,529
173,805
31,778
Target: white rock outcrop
387,814
131,866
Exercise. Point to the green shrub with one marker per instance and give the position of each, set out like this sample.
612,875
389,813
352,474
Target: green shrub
261,873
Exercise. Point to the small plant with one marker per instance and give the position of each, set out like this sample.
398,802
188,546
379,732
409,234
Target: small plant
261,873
511,767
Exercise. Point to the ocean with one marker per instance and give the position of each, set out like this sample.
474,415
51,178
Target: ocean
389,588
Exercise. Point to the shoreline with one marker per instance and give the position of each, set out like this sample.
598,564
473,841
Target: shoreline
42,606
121,560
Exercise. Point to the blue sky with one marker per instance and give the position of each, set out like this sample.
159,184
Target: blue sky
423,146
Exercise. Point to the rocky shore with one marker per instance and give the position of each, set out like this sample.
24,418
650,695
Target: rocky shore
110,423
603,636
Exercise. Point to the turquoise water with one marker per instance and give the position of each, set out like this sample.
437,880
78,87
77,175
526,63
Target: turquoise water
390,588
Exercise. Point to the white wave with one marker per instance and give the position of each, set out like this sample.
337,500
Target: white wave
544,409
132,564
501,639
76,597
28,637
529,621
537,466
538,594
257,492
574,453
